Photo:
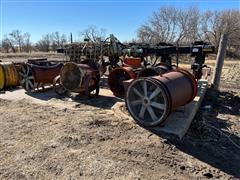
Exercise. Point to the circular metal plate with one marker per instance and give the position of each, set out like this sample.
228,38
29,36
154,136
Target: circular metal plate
147,102
27,78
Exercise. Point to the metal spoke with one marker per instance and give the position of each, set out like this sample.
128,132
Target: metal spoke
137,92
27,86
30,77
155,93
136,102
23,70
142,112
35,85
21,74
27,70
144,85
22,81
158,105
31,84
152,114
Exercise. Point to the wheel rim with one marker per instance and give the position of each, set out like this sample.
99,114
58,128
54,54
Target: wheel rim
91,87
58,87
147,102
27,78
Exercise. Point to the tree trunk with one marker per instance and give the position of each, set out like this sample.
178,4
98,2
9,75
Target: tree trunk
219,61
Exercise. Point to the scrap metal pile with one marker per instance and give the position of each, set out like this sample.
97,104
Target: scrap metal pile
143,74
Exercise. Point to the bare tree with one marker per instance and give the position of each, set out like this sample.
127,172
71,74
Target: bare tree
187,24
170,24
27,47
57,40
44,43
160,27
94,34
7,45
17,39
63,40
215,24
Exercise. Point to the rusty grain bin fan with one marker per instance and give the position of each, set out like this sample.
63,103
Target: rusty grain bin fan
80,78
151,99
116,78
37,73
154,71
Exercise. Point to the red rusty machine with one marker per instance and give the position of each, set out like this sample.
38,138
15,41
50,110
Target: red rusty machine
155,86
151,99
38,72
136,63
82,78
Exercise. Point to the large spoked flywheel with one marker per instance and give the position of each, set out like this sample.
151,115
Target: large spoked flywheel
27,78
147,101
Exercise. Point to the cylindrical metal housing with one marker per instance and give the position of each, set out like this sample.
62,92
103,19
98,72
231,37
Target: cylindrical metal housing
2,79
153,71
116,78
10,74
151,99
75,76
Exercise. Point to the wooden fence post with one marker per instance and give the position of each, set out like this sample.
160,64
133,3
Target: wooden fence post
219,61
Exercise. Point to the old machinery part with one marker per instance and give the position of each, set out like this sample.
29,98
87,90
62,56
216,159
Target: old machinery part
112,49
34,76
116,78
199,50
151,99
91,85
2,79
132,62
27,78
80,78
58,87
38,61
154,71
8,75
46,73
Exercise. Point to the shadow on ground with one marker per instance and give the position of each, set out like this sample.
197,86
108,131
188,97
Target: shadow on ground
105,102
209,138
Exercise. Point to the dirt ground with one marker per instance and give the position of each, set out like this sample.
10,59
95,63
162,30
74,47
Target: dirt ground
89,141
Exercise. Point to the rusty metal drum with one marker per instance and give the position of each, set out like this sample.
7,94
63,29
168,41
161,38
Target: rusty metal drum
116,78
151,99
80,78
8,75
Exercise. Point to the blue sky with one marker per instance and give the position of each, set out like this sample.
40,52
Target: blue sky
120,17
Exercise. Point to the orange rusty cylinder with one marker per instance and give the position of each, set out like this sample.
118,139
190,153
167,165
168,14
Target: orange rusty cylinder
181,86
153,71
80,77
116,78
151,99
132,62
